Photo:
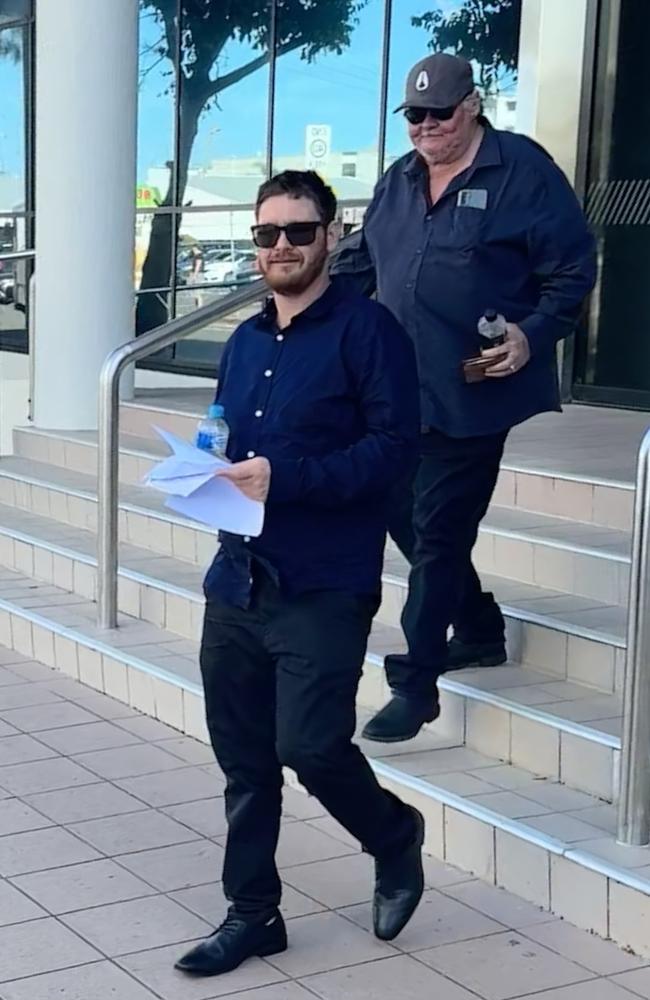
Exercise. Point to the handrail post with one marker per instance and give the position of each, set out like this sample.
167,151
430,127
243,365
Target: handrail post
634,798
107,490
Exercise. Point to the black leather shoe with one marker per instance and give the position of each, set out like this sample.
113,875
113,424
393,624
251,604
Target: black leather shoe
399,887
234,942
401,719
475,654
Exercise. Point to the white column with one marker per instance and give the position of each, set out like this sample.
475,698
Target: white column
552,48
86,104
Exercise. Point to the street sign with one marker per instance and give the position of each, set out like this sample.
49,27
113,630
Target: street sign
318,145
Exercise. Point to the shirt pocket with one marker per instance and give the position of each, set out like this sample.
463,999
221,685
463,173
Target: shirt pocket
467,228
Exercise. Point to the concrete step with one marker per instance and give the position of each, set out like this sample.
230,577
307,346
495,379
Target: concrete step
547,843
76,451
178,411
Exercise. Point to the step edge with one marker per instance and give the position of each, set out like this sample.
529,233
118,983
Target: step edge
134,404
570,477
535,618
69,437
529,712
552,543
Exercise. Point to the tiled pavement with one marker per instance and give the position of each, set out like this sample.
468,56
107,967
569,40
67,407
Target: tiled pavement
111,840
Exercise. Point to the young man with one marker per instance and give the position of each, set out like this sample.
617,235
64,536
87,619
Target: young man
320,392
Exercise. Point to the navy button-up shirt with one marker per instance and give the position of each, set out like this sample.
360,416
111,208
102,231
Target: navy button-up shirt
332,402
509,234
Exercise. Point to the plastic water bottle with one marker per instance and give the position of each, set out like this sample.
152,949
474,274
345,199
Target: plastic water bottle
213,432
492,329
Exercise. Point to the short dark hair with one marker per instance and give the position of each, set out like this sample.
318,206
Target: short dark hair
301,184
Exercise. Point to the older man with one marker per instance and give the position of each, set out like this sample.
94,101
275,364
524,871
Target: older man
472,219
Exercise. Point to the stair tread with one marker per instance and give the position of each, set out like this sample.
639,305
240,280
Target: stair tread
558,531
144,447
568,612
190,402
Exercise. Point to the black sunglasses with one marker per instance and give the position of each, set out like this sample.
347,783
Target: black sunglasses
299,234
415,116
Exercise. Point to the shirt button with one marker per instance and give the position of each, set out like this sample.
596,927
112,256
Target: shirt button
409,284
280,337
250,454
258,413
247,539
268,373
418,253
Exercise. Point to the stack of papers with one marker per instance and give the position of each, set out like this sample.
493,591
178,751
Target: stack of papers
195,489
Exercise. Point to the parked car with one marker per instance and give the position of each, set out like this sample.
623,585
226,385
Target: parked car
229,267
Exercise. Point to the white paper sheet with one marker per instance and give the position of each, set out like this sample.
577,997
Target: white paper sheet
191,479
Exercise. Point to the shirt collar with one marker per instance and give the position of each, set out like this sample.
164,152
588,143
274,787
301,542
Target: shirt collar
324,305
488,154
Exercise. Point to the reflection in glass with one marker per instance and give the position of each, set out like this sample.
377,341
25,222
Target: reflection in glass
216,247
12,120
327,93
15,10
205,348
146,224
485,33
14,276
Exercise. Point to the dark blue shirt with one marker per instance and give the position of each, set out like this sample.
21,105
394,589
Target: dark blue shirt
509,234
332,402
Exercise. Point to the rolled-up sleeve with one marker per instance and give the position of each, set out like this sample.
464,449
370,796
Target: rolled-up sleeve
383,361
562,257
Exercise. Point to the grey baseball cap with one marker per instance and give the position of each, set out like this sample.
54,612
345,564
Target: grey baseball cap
439,81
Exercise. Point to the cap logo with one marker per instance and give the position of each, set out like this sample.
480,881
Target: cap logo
422,82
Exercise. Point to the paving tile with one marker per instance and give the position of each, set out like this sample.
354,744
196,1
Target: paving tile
280,991
23,695
301,806
177,867
510,804
330,826
78,887
301,843
500,905
138,831
206,816
122,928
336,883
58,948
209,903
400,978
596,989
22,748
637,982
147,728
327,941
128,762
7,730
74,805
39,849
103,706
155,969
99,981
44,776
601,957
438,920
189,750
503,966
186,784
61,714
76,739
17,817
15,907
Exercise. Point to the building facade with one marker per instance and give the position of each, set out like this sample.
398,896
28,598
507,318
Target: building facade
225,101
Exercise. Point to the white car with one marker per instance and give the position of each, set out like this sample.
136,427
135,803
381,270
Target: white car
229,267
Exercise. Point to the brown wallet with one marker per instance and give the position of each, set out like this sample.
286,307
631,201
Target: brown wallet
474,368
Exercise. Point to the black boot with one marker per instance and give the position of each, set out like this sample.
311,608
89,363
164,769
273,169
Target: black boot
399,886
479,642
234,942
401,719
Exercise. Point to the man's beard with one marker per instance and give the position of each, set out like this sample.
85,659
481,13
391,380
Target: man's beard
297,281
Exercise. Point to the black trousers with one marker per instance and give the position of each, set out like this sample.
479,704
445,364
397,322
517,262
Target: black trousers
280,684
435,522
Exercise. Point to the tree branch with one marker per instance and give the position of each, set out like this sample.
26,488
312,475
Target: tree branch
223,82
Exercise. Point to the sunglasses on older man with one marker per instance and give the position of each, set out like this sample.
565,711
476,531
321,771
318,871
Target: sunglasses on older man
299,234
415,116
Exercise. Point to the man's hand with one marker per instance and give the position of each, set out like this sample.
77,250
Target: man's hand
252,477
510,356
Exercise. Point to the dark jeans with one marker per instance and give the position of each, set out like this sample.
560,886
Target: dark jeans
280,684
435,522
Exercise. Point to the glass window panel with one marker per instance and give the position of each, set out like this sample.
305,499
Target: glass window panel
485,33
205,348
156,105
216,248
15,10
223,100
14,277
328,92
13,79
154,250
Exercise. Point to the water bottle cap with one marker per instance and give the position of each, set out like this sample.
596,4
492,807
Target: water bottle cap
215,410
490,315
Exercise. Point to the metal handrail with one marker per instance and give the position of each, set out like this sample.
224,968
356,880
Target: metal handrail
109,381
18,255
634,798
